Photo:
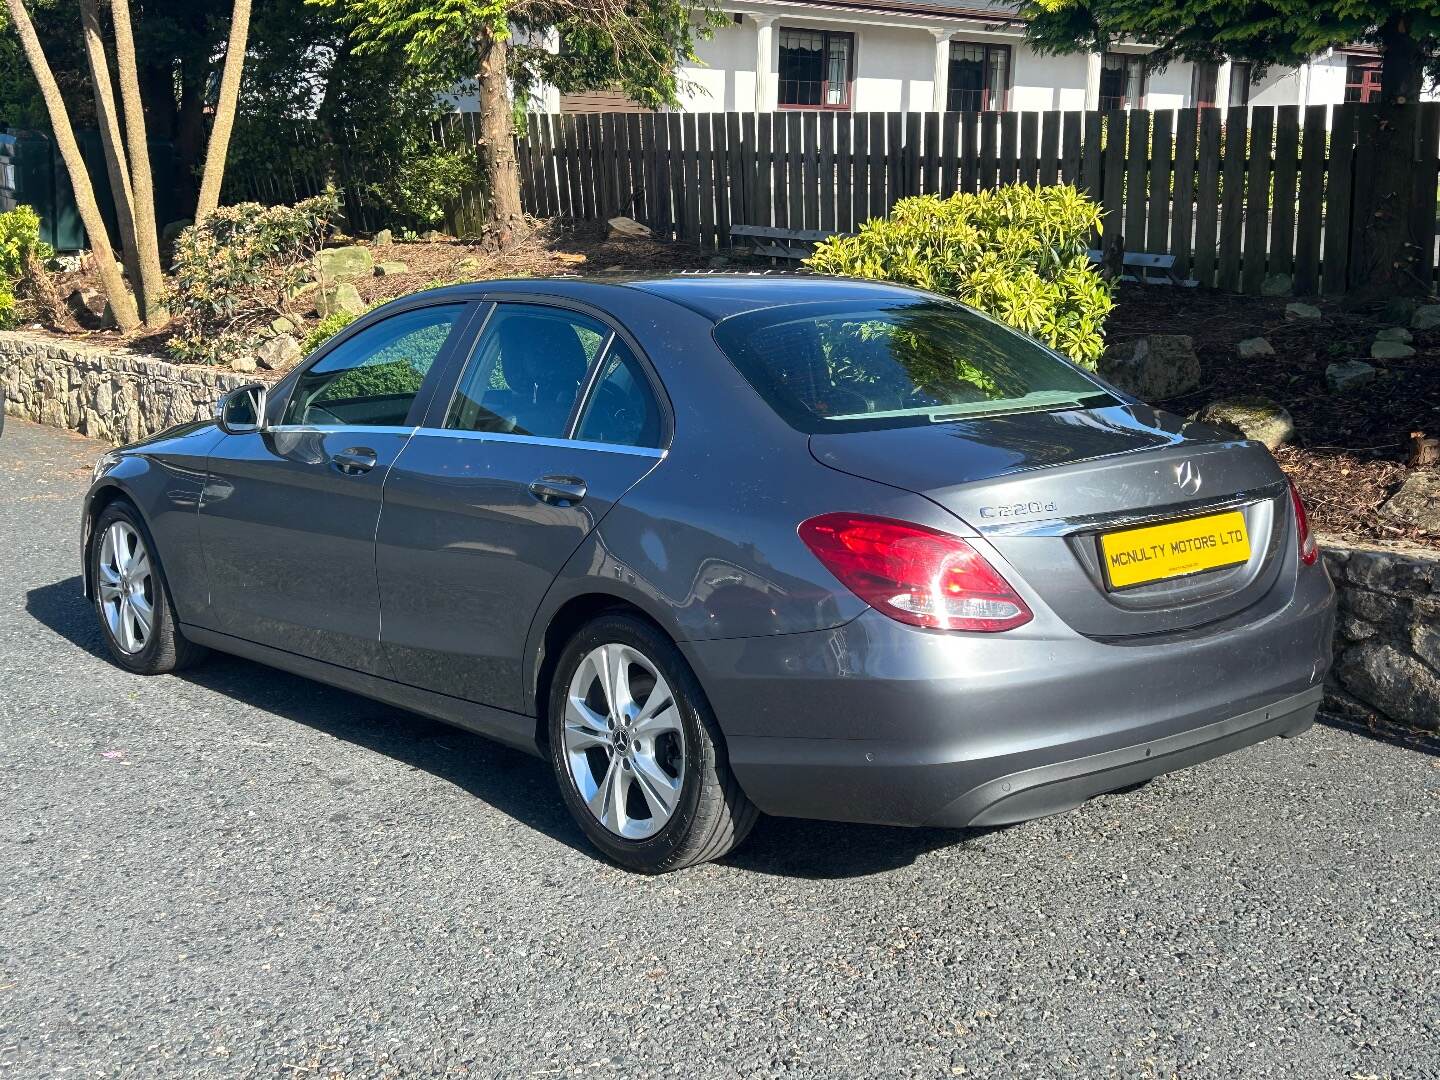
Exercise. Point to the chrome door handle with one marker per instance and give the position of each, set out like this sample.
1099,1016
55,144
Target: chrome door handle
354,461
558,490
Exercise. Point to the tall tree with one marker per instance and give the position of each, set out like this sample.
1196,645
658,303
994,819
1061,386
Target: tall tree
111,141
635,45
122,304
147,237
225,106
1407,33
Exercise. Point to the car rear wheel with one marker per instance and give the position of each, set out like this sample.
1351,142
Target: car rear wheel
640,760
136,616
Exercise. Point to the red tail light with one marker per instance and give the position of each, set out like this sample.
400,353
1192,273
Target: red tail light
1309,549
913,574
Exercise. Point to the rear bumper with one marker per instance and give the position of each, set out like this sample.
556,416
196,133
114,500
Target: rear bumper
877,722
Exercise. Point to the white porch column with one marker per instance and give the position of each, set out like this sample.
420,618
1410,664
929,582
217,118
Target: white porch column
941,82
1222,86
1092,81
1302,92
766,74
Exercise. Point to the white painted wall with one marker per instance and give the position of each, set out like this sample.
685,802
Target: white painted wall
893,68
1042,83
724,80
1170,88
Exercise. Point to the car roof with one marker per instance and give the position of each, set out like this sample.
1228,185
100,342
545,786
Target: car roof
715,296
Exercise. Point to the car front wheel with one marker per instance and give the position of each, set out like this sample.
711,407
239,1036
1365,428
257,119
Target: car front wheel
136,617
639,758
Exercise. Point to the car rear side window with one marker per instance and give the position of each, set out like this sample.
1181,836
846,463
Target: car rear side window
373,377
526,371
622,407
846,365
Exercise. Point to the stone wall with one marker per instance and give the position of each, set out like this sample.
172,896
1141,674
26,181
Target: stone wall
1387,640
104,392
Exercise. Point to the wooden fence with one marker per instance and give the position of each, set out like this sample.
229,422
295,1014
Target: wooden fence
1237,198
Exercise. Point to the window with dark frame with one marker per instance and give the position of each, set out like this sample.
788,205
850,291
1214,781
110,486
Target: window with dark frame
1362,78
979,77
815,69
1240,73
1204,84
1122,81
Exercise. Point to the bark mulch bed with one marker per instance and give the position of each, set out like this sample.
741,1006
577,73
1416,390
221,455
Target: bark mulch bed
1349,451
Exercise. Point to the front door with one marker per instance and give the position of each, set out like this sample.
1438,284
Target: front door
490,498
288,518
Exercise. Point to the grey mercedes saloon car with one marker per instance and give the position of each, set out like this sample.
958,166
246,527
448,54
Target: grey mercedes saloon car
717,545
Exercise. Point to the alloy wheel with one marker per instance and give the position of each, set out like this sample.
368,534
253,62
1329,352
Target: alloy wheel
126,586
624,741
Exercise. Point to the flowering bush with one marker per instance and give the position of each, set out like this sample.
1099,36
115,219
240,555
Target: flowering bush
1018,253
240,269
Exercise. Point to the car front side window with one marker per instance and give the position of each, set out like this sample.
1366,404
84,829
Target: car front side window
372,378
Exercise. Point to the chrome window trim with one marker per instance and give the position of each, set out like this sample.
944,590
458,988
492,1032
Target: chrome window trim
539,440
325,429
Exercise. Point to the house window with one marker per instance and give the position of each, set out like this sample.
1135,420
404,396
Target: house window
1240,83
1203,85
815,69
1122,81
1362,78
979,77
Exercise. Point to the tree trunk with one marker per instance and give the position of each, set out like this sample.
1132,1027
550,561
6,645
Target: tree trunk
224,112
110,139
505,220
147,237
1386,245
122,304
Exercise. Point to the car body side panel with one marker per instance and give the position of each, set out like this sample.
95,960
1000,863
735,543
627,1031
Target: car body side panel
164,476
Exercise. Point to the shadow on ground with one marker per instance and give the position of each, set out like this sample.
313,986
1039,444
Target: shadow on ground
517,784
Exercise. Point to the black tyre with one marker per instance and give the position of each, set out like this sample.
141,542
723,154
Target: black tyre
640,760
132,601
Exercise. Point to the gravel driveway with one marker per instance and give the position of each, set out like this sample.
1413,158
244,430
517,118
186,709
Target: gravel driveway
240,873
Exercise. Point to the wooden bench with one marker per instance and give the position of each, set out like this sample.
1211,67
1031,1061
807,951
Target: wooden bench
1147,266
781,243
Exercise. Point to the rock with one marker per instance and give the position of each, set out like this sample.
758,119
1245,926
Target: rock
243,363
1350,375
627,227
383,238
303,289
340,297
1426,317
1254,348
1302,312
64,264
1399,685
172,230
433,236
1398,311
1395,333
468,263
572,258
279,353
1252,416
1276,285
1383,349
717,262
391,266
282,325
342,263
1417,504
1153,368
90,309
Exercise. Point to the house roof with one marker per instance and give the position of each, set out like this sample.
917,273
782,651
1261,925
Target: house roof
979,10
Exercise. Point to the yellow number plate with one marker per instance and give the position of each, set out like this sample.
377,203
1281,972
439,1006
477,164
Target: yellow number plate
1177,548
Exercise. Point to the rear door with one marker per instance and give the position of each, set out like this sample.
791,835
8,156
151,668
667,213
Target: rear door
552,419
288,517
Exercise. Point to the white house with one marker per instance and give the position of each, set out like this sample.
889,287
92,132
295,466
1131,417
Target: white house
963,55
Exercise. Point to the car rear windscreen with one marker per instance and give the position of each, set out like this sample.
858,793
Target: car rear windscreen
848,364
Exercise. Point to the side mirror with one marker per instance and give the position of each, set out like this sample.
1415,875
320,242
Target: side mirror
242,410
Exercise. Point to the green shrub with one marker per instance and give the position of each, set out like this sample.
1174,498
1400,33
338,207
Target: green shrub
20,249
1018,253
429,180
237,271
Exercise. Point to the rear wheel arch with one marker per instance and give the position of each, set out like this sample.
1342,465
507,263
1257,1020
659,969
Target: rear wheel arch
574,614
